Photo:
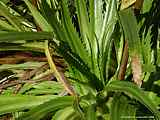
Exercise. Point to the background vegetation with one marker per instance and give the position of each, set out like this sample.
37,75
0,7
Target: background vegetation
79,59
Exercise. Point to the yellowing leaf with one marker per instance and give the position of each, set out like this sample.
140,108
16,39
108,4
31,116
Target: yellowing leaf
126,3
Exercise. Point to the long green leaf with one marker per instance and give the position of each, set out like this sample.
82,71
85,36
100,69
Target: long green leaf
83,21
74,41
21,102
135,92
51,15
86,22
130,28
44,25
21,48
42,110
109,21
105,39
20,36
98,17
10,17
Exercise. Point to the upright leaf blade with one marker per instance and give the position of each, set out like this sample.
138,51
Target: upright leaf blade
105,39
74,41
91,112
130,28
39,18
83,21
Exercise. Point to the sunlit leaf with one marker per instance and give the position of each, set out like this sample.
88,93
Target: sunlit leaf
44,25
42,110
21,102
65,114
126,3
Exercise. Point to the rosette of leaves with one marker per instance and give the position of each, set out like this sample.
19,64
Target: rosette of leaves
88,34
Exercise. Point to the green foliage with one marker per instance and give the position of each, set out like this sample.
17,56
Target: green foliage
42,110
8,37
21,102
67,113
89,35
135,92
121,109
130,31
